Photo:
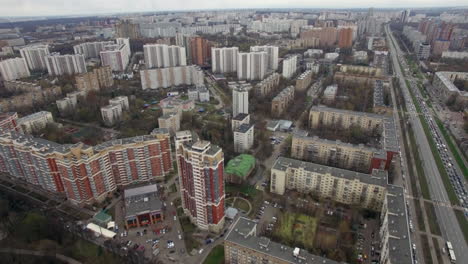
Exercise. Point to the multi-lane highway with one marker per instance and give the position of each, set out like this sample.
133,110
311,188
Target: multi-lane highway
445,215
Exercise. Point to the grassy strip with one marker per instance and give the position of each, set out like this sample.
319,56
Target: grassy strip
462,222
425,249
216,256
432,218
419,215
420,171
453,148
435,241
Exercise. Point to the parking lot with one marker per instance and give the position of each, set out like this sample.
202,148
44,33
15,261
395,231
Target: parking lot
164,239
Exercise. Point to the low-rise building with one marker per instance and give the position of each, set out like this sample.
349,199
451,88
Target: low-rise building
267,85
243,138
199,93
171,122
239,168
111,114
21,87
332,56
360,56
303,81
142,206
31,99
35,122
330,92
282,101
457,55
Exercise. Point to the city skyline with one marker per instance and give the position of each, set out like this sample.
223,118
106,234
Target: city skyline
30,8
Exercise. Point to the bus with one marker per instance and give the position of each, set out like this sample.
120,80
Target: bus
452,256
449,245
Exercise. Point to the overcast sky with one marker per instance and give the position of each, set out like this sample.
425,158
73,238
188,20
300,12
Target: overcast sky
71,7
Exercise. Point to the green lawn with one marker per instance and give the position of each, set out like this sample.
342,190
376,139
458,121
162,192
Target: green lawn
298,228
216,256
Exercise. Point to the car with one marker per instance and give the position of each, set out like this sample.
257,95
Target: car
200,251
175,218
180,237
414,246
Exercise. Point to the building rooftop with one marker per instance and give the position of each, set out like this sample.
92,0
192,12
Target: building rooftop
244,128
378,177
240,165
240,116
244,233
399,239
141,200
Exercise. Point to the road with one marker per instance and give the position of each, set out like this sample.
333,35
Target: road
446,217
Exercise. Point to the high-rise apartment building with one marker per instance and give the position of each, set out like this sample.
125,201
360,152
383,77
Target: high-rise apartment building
163,56
13,69
127,29
35,57
91,49
289,66
201,175
86,174
243,138
9,121
240,101
272,52
345,38
252,66
224,60
116,56
126,42
65,64
173,76
200,51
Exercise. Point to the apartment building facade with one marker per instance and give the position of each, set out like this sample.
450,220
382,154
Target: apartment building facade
289,67
163,56
171,122
116,56
303,81
224,60
35,122
83,173
267,85
343,186
243,138
201,175
281,102
58,65
240,101
338,154
252,66
91,49
35,57
272,55
174,76
93,81
13,69
200,51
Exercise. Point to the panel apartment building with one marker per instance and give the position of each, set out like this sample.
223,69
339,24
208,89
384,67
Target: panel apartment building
201,175
321,115
282,101
86,174
163,56
65,64
35,56
338,154
224,60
